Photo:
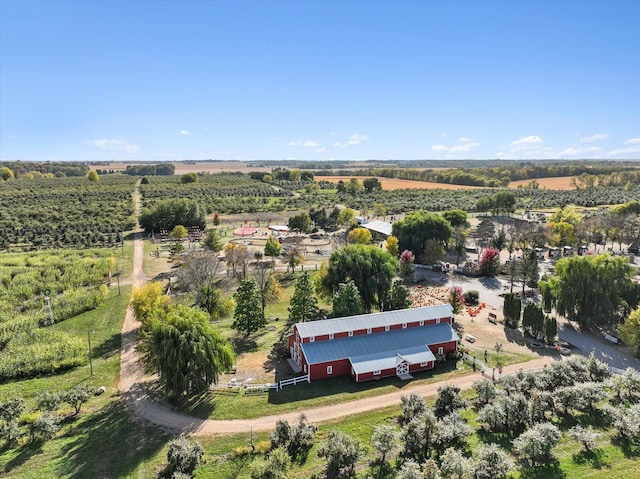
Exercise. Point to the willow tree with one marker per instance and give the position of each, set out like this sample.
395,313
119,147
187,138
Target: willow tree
594,290
186,351
370,268
418,227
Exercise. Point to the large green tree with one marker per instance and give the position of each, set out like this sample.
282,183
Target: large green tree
347,301
418,227
630,331
303,305
272,247
301,223
370,268
186,351
248,316
167,214
398,297
593,290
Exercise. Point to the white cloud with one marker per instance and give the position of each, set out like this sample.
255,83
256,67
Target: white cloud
114,145
625,151
460,148
439,148
320,150
305,143
464,139
357,138
185,133
354,139
596,137
632,141
444,134
580,150
526,143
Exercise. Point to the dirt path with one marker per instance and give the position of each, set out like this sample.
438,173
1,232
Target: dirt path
133,383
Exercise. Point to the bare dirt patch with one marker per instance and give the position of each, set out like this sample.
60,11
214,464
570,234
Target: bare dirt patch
487,334
552,183
397,184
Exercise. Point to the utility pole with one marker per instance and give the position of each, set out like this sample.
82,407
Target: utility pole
90,357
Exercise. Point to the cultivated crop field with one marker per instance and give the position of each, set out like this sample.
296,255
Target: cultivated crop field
552,183
63,212
225,193
391,184
75,282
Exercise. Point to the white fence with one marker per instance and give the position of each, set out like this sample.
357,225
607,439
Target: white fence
294,381
259,388
482,367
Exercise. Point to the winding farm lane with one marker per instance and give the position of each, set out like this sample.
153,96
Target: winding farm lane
135,393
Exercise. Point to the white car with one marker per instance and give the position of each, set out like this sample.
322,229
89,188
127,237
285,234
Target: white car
470,337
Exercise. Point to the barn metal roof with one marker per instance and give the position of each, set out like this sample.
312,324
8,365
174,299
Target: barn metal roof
375,320
388,360
385,344
378,226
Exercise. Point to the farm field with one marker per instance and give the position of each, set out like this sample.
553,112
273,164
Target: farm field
552,183
391,184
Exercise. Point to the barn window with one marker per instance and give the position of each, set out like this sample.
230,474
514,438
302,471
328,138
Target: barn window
350,333
368,330
329,369
376,373
440,350
386,328
423,364
330,335
312,339
305,368
438,321
421,323
404,325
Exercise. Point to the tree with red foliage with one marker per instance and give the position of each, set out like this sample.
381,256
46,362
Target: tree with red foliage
406,262
456,298
489,263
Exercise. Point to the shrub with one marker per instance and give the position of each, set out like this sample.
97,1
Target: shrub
471,297
46,426
184,455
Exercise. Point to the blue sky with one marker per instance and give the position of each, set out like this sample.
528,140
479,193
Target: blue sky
346,80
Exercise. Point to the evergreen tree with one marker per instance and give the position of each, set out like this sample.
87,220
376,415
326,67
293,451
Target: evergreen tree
303,305
511,309
248,316
398,297
347,301
212,241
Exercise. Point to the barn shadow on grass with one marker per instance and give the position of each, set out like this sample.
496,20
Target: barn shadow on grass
109,444
346,384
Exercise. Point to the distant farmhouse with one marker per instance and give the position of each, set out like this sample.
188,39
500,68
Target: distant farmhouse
373,346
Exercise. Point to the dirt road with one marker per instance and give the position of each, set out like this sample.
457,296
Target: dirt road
133,384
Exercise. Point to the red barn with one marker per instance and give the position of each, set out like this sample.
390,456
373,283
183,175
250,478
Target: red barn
373,346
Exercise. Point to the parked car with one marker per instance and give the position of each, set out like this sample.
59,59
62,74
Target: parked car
470,337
